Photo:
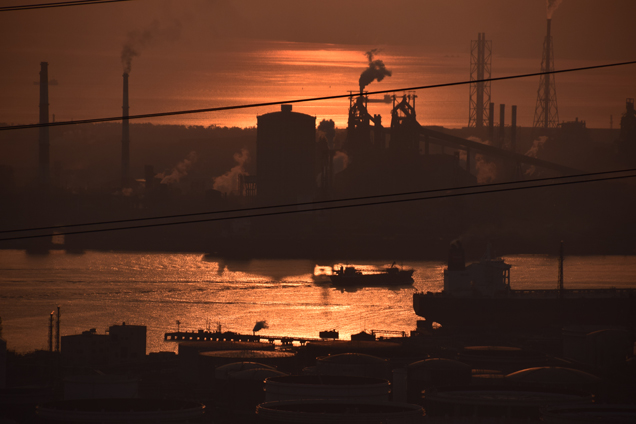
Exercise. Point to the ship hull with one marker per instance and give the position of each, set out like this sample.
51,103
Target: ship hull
400,278
529,309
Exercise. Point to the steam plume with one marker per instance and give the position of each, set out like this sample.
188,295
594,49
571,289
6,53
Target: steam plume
486,170
137,40
375,71
228,182
340,161
180,170
552,6
260,325
534,151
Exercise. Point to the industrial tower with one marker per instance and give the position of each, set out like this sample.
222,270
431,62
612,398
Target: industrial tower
480,59
546,113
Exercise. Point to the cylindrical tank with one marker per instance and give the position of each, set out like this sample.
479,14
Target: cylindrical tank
188,357
503,358
435,372
590,414
100,387
224,372
283,361
356,364
243,390
326,387
338,412
480,377
554,377
108,411
485,402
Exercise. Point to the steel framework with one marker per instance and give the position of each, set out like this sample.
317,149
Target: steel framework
546,113
480,68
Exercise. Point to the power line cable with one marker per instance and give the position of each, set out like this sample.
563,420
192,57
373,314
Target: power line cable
323,208
312,99
57,4
319,202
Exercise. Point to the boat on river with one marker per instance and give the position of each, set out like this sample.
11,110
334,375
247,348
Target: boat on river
349,276
480,295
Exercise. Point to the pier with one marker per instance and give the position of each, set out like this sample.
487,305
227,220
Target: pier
230,336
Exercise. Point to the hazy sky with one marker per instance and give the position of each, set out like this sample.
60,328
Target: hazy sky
83,43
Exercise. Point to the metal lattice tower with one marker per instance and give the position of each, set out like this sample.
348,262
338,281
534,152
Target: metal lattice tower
546,113
480,65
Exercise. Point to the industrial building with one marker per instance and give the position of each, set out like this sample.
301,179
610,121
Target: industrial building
286,152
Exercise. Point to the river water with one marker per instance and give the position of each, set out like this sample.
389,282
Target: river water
99,289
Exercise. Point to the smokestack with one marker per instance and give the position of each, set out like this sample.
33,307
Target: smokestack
546,91
57,331
502,124
513,129
51,332
125,138
43,143
491,121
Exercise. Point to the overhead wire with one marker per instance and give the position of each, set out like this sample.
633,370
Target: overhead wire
314,203
56,4
322,208
311,99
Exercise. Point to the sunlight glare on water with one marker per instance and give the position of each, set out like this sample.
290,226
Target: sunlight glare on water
295,297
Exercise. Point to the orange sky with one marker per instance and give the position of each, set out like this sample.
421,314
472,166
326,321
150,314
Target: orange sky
83,44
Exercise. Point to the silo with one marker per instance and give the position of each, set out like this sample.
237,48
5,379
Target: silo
285,152
349,388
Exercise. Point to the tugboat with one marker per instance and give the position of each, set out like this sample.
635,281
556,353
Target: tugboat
348,276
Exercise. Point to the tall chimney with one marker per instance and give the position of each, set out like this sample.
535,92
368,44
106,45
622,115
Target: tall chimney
125,138
43,142
546,91
502,124
491,121
513,129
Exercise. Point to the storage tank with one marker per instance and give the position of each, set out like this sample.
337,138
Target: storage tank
590,414
326,387
435,372
223,372
338,412
356,364
488,402
130,411
100,387
283,361
188,356
554,377
243,390
503,358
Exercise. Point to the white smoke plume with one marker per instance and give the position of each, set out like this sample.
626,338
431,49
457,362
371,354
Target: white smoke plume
137,40
486,169
552,5
340,161
260,325
534,151
228,182
376,70
180,170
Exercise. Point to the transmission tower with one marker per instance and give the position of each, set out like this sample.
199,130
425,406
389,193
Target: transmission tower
480,59
546,113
